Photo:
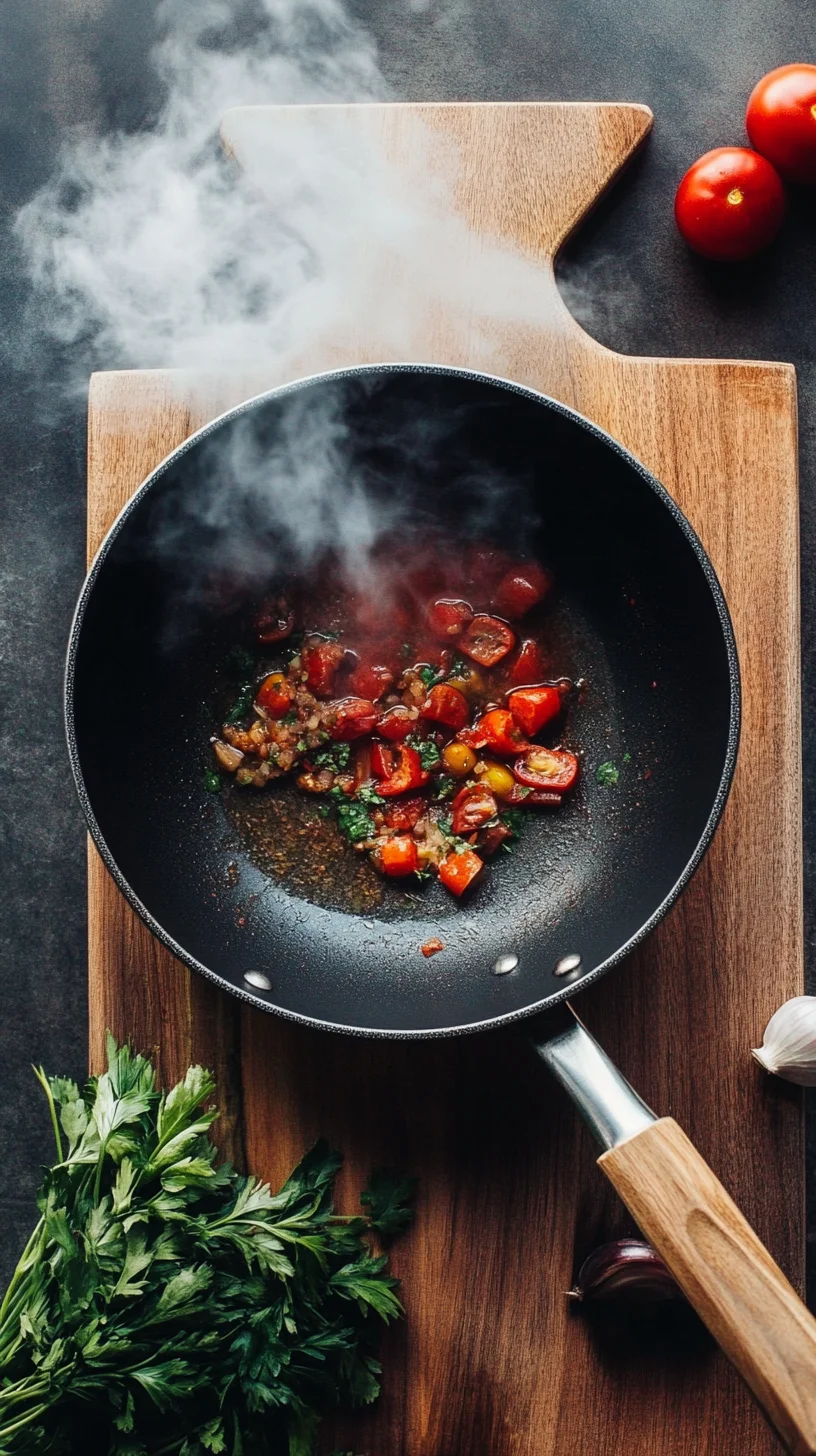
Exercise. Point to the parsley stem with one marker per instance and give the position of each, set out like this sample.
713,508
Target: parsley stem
25,1420
43,1081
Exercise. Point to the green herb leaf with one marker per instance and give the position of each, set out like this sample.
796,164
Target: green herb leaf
354,821
336,758
607,775
513,819
388,1200
212,781
367,794
444,787
429,755
429,675
243,704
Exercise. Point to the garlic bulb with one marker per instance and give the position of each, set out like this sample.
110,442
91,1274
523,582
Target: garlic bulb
789,1044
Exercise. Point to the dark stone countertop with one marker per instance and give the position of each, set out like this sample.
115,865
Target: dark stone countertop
629,280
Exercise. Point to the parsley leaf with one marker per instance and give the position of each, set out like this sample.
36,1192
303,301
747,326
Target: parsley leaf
336,758
513,819
212,781
444,787
367,794
354,820
242,705
429,675
429,755
388,1199
607,775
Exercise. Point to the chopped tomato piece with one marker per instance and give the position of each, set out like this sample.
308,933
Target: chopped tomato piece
320,660
382,760
432,948
275,695
532,708
408,774
398,856
396,723
521,589
370,682
275,619
487,640
353,718
493,838
458,871
446,705
405,814
529,666
499,730
448,617
547,768
472,808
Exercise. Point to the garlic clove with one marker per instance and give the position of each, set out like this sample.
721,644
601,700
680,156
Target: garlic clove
789,1043
627,1269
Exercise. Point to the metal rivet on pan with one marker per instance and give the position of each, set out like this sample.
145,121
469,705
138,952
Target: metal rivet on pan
258,980
567,965
505,964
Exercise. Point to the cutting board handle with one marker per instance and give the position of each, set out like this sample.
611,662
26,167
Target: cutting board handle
725,1271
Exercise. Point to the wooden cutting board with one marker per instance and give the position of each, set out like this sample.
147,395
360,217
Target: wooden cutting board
491,1360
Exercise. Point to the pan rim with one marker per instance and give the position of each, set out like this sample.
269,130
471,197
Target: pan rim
567,992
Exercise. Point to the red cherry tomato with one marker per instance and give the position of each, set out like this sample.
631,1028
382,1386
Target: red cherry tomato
408,774
382,760
459,871
447,617
353,718
398,856
498,730
533,707
405,813
529,665
730,204
553,769
472,808
446,705
275,695
275,619
320,660
487,640
370,682
521,589
781,120
396,723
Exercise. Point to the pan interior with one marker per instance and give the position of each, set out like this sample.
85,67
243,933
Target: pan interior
638,616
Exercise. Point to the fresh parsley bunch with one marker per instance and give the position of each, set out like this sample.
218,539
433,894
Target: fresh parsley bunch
166,1305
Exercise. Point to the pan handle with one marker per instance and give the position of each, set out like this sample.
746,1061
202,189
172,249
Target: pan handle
683,1210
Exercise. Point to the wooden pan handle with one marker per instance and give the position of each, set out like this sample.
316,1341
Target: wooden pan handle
724,1271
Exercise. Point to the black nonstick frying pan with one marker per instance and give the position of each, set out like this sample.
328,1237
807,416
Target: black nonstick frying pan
241,896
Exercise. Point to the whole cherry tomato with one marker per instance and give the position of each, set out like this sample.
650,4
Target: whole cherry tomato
730,204
275,695
396,723
781,120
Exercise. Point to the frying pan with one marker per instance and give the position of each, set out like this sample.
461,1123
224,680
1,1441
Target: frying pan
640,617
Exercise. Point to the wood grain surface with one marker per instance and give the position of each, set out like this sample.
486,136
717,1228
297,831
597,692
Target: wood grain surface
491,1362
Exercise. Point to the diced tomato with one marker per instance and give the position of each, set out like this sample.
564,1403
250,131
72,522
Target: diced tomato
459,871
499,730
408,774
547,768
472,808
521,589
405,813
382,760
448,617
370,682
398,856
432,948
529,665
275,695
446,705
396,723
275,619
320,660
487,640
493,838
353,718
533,707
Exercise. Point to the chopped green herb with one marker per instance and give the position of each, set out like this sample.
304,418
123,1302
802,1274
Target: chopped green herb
445,824
367,794
243,704
167,1303
354,821
212,781
289,718
444,787
301,745
627,758
323,810
336,758
607,775
429,755
429,675
513,820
